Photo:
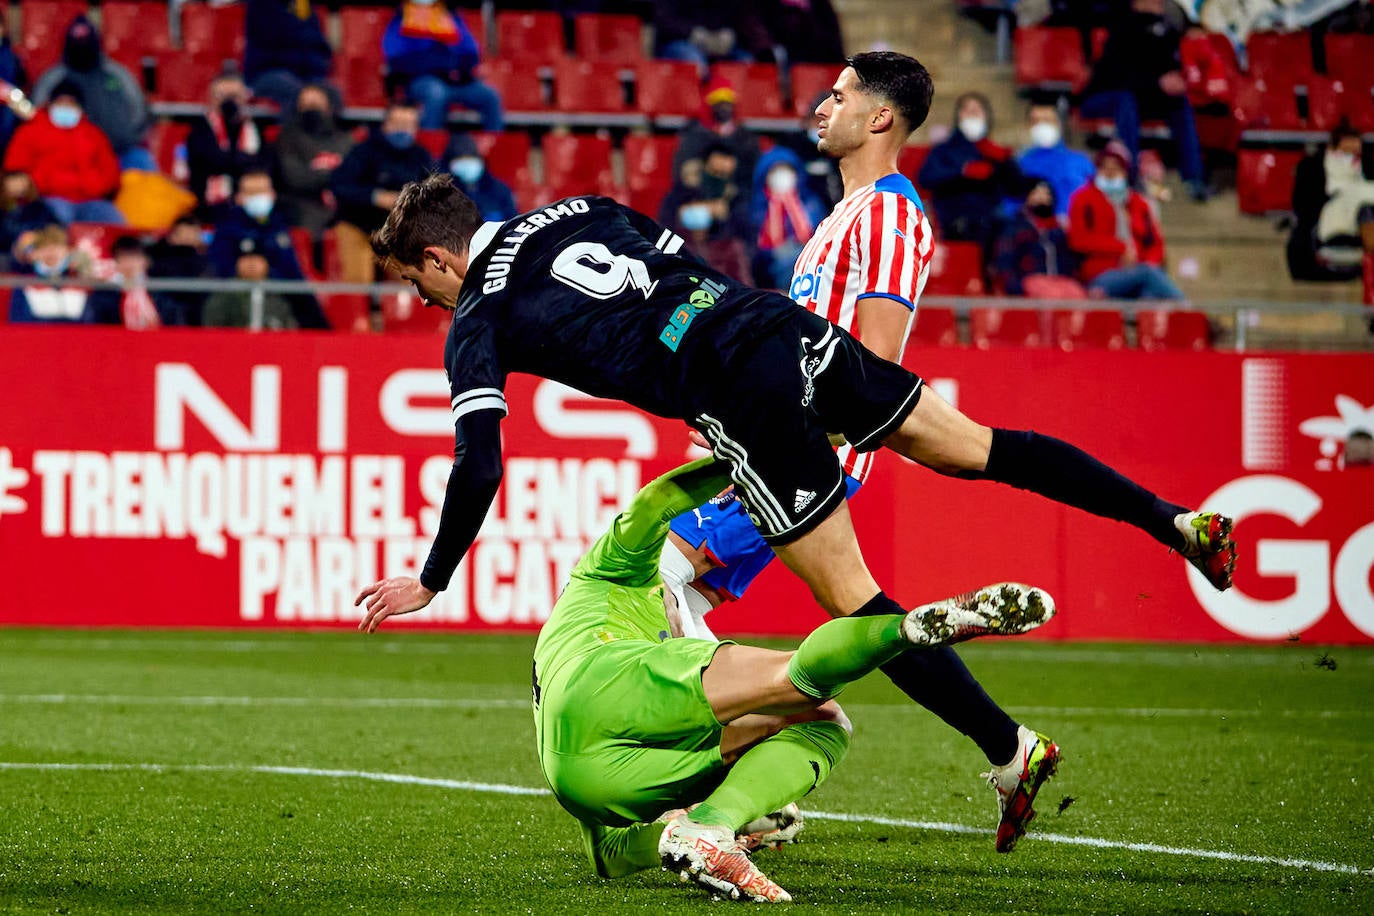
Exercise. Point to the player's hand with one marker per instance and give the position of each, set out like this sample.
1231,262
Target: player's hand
389,597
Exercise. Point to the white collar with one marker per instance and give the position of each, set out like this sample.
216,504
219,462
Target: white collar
481,239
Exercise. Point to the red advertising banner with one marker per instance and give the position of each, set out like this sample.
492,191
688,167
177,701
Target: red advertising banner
235,480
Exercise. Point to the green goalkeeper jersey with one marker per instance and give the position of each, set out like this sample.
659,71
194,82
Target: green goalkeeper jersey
615,591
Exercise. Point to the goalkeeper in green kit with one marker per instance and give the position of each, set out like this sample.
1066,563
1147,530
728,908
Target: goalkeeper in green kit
634,726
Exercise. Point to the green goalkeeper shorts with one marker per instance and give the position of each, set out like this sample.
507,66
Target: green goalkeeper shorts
627,733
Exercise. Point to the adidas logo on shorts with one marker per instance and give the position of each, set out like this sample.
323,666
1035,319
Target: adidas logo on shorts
804,498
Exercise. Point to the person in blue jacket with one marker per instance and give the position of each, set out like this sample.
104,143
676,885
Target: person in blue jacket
1049,159
431,54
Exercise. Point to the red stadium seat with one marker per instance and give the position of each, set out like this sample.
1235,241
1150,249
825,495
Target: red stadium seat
576,164
648,170
533,38
44,24
403,312
1050,58
1348,59
476,25
1326,105
1264,179
183,77
163,139
990,327
360,65
1280,58
611,39
1088,329
808,82
911,158
1260,106
97,239
519,87
434,141
1226,50
935,327
304,245
956,269
667,88
507,155
1159,329
756,86
584,85
214,31
131,30
346,312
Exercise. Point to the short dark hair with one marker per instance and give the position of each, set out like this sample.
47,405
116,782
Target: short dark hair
1343,130
127,244
431,211
899,79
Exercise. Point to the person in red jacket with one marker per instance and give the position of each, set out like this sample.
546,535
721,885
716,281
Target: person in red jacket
70,159
1114,232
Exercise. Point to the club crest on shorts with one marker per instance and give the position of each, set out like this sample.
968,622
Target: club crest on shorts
815,358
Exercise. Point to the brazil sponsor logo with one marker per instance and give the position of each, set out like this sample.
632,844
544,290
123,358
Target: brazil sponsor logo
705,296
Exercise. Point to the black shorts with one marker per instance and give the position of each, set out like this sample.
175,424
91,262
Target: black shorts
769,412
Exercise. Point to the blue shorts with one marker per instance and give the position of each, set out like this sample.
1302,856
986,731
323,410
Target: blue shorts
722,528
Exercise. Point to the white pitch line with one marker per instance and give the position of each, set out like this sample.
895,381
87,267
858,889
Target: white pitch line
505,789
101,699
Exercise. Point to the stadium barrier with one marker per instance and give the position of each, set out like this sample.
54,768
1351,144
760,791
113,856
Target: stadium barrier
229,479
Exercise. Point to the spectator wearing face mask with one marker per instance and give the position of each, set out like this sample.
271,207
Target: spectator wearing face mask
1334,205
431,53
21,211
179,254
1049,159
1113,230
491,195
367,182
719,127
783,214
223,145
47,255
131,306
311,147
254,224
820,173
707,207
1035,246
112,98
71,161
969,176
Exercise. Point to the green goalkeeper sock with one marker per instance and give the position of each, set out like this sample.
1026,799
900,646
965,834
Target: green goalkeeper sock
619,851
776,772
843,650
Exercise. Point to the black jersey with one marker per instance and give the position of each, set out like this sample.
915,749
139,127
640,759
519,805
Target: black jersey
595,295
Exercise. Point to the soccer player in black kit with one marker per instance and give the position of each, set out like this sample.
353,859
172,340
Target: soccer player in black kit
594,295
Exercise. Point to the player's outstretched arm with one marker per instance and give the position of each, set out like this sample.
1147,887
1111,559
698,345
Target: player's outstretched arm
471,487
644,523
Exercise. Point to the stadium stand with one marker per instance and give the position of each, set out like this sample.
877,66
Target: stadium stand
1166,330
1087,329
991,327
935,327
534,38
609,39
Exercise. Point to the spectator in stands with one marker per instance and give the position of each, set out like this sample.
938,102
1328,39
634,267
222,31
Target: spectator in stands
180,254
285,49
112,98
48,256
1206,73
70,159
431,54
254,225
1049,159
1333,238
311,147
131,306
1114,231
821,173
718,127
708,31
492,196
1140,75
11,72
367,182
783,215
1034,245
222,146
21,211
234,309
708,208
969,176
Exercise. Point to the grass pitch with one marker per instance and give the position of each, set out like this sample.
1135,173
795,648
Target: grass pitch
323,772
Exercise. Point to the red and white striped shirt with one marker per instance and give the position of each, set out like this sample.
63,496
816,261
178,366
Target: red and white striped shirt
876,242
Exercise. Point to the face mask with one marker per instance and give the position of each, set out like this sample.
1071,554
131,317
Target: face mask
467,169
259,206
65,116
313,121
695,217
229,109
1044,135
52,270
1341,159
973,129
1042,211
399,139
1115,188
782,181
712,187
723,112
814,135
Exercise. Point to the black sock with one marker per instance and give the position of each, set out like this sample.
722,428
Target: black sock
1066,474
938,680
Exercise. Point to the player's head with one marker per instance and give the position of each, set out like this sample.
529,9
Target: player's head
425,238
880,96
